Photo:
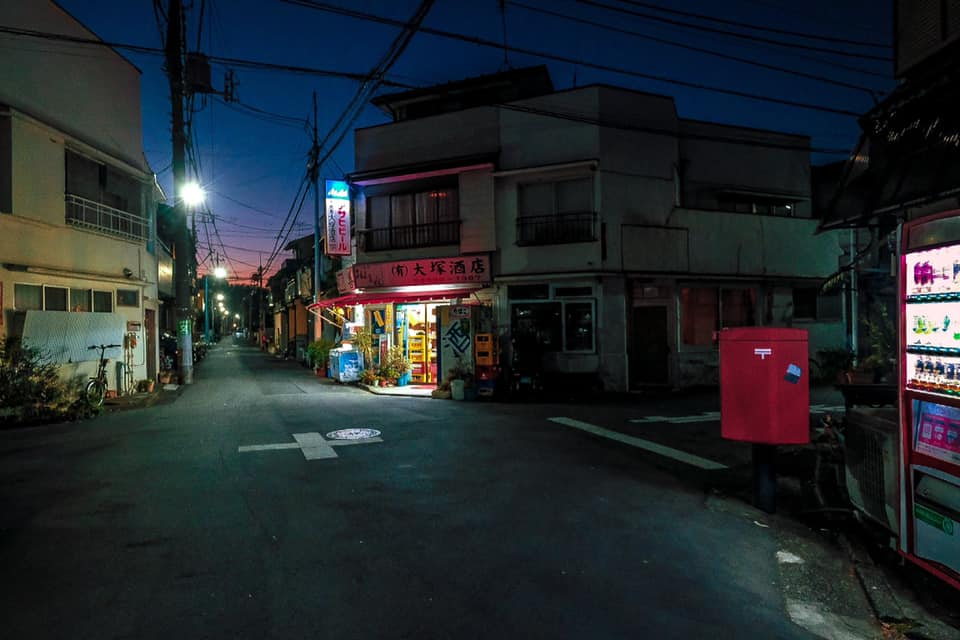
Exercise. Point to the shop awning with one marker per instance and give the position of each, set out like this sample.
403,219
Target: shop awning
382,297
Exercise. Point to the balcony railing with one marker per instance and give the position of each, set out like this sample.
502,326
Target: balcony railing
411,236
94,216
557,229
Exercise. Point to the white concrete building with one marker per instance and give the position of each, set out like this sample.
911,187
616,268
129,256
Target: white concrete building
621,236
78,248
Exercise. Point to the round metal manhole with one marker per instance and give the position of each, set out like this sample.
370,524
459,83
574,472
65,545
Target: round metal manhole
353,434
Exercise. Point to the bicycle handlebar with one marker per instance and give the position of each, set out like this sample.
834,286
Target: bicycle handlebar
103,346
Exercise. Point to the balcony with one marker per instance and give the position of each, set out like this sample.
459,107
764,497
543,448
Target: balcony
99,218
411,236
562,228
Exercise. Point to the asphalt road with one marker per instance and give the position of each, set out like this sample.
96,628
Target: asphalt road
469,520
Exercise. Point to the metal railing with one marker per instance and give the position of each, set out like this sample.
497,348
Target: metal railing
561,228
98,217
411,236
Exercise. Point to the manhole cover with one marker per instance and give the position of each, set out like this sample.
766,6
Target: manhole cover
353,434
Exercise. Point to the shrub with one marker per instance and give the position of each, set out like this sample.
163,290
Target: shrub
319,352
31,388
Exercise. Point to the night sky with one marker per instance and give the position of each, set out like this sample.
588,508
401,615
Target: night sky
252,164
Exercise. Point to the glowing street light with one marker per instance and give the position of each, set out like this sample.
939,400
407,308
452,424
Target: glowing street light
220,298
193,194
219,272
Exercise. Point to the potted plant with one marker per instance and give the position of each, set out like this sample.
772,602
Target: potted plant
399,365
368,377
145,386
318,352
362,340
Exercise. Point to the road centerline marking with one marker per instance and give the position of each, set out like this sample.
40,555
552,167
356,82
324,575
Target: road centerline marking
646,445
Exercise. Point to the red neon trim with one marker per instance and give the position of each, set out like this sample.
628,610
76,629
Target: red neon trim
400,296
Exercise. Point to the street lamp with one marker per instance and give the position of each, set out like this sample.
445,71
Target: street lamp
193,194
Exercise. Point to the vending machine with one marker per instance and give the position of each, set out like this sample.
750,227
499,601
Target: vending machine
929,287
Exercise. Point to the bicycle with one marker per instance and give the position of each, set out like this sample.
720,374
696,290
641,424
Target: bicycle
96,389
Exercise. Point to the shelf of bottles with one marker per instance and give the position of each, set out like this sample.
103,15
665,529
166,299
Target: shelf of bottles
932,317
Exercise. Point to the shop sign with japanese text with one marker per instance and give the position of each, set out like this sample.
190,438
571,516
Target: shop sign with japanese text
457,270
337,222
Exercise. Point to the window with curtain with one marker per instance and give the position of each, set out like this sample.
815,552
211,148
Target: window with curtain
406,220
80,300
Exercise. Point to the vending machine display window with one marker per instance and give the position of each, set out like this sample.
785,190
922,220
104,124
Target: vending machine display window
937,431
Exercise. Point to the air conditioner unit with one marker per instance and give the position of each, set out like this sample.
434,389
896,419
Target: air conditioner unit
871,455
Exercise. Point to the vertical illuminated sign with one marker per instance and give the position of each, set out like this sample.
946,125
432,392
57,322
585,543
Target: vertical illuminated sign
337,225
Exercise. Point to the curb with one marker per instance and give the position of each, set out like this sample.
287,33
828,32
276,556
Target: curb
886,607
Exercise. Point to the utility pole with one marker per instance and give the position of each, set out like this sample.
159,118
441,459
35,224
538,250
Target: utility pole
182,244
263,323
317,259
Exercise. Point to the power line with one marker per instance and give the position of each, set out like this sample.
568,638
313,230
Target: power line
360,15
711,52
747,25
237,62
734,34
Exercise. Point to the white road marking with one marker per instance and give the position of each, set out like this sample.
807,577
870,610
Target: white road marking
673,454
269,447
785,557
313,445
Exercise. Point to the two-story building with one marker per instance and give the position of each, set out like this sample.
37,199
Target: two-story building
599,232
78,250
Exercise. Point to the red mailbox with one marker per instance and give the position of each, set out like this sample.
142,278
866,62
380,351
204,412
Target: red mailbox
764,385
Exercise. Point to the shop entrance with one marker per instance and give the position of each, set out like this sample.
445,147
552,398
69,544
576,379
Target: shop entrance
416,332
649,350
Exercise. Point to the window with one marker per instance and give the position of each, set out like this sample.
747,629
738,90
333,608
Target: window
540,325
809,304
578,326
705,310
409,220
573,292
55,298
762,205
556,212
80,300
102,302
700,312
128,298
103,199
528,292
27,297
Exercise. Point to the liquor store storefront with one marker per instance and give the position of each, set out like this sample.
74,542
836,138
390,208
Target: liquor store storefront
437,310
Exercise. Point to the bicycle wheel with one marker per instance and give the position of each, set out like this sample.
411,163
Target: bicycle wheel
94,393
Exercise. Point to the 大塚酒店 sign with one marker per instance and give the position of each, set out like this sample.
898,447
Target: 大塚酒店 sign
456,270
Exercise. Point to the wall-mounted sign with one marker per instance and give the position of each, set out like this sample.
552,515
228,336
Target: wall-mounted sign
337,224
461,269
460,311
345,281
133,326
